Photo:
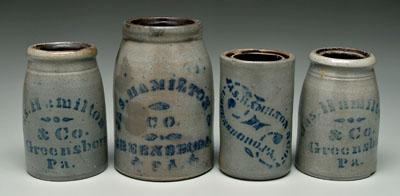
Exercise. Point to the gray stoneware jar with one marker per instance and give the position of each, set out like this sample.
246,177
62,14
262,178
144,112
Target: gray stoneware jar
339,115
256,105
64,115
163,100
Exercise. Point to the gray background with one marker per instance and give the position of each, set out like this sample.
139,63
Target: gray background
295,26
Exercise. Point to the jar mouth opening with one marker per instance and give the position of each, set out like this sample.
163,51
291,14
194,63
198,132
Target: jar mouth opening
343,53
61,46
257,55
162,29
162,21
65,50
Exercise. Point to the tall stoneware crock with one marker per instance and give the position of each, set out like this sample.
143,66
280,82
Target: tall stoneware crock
163,100
256,104
64,115
339,115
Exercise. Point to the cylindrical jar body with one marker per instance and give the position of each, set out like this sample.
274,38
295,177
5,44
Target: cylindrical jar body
339,116
163,100
256,105
64,112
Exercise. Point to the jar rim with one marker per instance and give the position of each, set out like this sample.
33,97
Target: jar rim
64,50
162,29
257,56
168,22
345,57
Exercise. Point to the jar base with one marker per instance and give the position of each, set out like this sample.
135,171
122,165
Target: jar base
353,178
143,178
68,178
253,179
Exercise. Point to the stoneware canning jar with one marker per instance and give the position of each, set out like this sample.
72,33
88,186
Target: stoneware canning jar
163,100
339,115
256,104
64,115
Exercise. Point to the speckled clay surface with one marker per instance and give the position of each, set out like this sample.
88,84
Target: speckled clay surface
163,100
63,112
256,113
339,115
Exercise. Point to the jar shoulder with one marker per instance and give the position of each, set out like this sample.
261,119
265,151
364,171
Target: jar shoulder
150,53
82,82
334,86
144,61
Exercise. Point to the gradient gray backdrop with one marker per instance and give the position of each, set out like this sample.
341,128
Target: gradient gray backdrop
295,26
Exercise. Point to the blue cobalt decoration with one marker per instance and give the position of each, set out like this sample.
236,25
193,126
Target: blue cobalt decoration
339,115
163,97
64,115
256,101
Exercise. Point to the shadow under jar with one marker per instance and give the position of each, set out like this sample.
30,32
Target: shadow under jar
256,105
339,115
163,100
64,114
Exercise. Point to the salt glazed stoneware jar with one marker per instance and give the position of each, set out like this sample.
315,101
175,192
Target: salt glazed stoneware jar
63,112
339,115
256,105
163,100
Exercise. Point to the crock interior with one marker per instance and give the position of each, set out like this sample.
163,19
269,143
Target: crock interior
60,47
162,22
343,53
257,55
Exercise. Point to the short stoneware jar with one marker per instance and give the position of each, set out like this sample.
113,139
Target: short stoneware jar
256,105
163,100
339,115
64,116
